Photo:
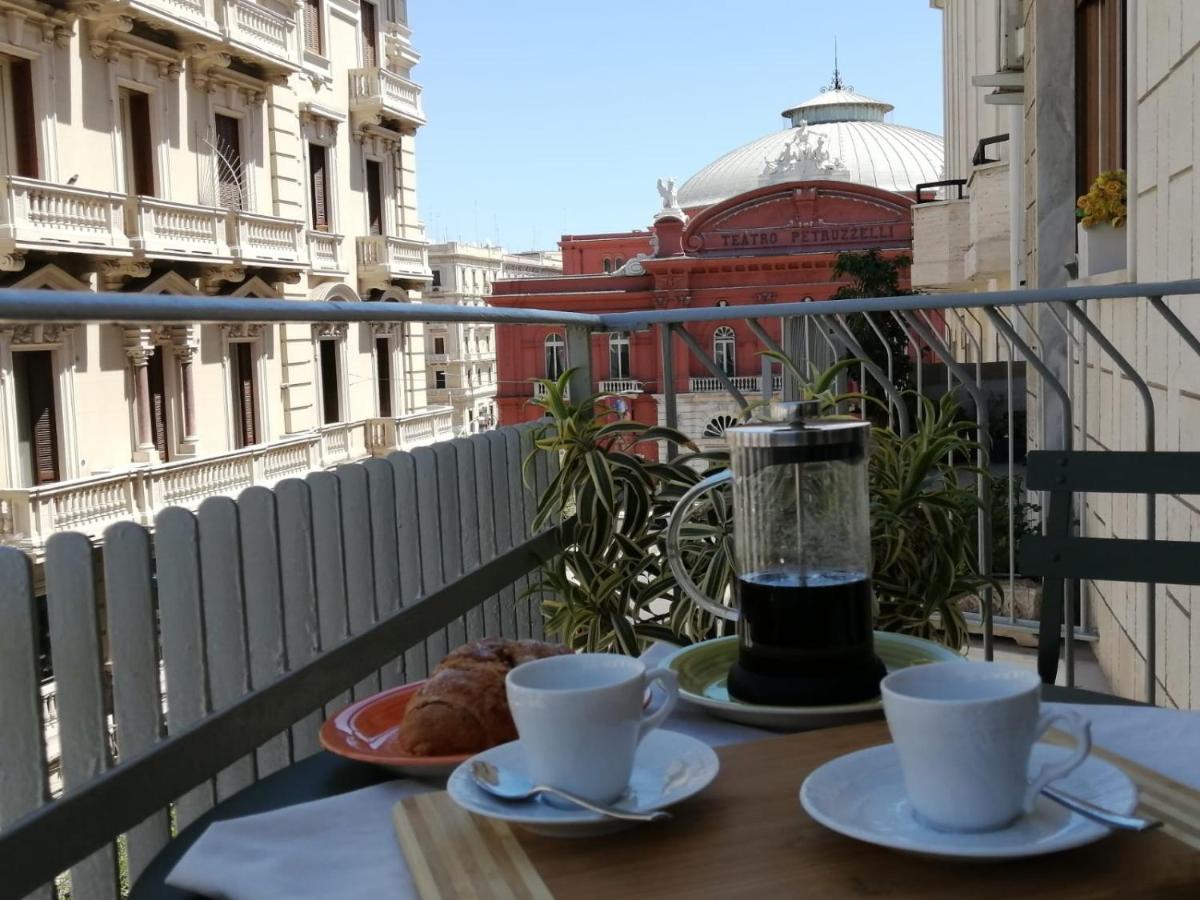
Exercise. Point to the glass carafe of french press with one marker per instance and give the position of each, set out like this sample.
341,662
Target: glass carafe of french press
802,560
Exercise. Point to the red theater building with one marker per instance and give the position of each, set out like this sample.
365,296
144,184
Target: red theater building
762,224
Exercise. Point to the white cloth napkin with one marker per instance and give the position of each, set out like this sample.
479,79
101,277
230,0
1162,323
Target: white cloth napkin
344,846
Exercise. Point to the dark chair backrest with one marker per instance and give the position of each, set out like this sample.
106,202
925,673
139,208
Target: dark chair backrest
1059,556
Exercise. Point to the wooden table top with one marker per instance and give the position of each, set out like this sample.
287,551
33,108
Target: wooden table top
747,836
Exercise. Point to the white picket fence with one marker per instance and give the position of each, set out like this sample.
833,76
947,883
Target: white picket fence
224,600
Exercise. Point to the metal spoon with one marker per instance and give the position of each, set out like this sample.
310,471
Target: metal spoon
509,786
1098,813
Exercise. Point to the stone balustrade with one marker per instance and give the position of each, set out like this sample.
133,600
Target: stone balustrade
375,90
325,252
169,230
621,386
383,257
30,515
249,25
256,238
40,215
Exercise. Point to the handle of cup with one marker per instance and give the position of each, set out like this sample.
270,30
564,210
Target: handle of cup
1081,730
675,560
670,682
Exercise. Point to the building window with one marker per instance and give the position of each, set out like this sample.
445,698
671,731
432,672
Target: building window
556,352
607,264
439,346
331,382
383,375
618,354
1100,75
156,375
439,379
312,26
318,186
139,145
724,351
241,358
437,279
370,34
374,186
19,143
37,416
231,173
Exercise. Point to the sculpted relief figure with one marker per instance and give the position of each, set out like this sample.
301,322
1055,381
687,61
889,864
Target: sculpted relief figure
670,196
800,158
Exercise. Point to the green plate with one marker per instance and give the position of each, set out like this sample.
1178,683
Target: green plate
702,669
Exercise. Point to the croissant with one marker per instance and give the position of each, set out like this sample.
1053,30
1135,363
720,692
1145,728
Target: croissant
463,707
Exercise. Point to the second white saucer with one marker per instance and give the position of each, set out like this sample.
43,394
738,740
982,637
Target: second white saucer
861,795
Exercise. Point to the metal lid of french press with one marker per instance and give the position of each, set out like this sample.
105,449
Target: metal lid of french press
797,424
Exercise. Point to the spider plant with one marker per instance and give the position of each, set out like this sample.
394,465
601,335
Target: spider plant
611,589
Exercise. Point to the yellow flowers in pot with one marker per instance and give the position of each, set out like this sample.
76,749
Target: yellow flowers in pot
1104,202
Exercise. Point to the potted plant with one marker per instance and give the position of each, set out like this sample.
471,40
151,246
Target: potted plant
611,589
1101,213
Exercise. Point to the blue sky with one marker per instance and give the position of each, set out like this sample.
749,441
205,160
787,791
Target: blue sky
557,116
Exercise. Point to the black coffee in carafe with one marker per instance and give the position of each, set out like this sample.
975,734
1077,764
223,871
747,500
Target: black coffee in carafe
804,639
802,557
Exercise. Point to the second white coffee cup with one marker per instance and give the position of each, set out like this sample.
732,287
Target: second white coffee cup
965,732
580,719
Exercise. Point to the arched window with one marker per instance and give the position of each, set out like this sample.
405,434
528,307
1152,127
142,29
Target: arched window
620,262
723,349
607,264
618,354
556,354
716,428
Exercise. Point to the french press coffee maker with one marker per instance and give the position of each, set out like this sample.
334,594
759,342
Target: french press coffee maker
802,560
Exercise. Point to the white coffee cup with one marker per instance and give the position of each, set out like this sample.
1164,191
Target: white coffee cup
580,719
965,732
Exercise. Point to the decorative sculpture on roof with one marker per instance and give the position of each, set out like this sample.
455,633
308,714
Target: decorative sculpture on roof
803,157
670,196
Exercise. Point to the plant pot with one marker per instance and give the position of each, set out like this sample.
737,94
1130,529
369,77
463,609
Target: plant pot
1101,249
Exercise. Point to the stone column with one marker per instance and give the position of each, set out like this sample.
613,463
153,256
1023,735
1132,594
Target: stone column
139,357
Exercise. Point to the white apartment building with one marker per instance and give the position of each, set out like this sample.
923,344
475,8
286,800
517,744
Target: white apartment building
461,357
245,148
1077,88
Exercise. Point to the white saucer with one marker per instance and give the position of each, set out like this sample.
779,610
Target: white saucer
861,795
669,767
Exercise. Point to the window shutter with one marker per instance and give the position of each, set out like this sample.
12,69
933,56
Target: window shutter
383,370
43,416
24,122
312,25
369,34
158,404
244,393
142,146
374,198
318,185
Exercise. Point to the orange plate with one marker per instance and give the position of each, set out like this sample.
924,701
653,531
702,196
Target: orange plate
369,731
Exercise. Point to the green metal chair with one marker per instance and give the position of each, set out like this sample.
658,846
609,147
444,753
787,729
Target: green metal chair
1058,556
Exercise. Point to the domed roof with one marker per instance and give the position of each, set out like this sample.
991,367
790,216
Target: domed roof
838,135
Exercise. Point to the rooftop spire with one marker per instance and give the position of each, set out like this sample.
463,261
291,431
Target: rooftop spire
837,84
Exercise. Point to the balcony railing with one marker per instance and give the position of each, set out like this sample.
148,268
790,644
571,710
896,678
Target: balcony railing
267,239
472,499
163,229
746,383
89,505
621,386
265,35
376,90
409,432
187,14
383,258
325,252
40,215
